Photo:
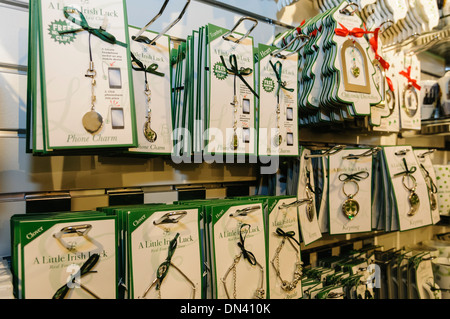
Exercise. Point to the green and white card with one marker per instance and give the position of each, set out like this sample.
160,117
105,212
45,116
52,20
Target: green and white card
231,111
278,103
152,93
165,258
66,256
84,75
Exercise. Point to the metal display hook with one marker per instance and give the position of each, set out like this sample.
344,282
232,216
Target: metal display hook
229,37
335,149
170,218
278,54
368,153
138,36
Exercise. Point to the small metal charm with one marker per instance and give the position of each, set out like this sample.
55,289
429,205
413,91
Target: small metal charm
92,122
350,208
149,134
355,71
410,100
277,140
414,200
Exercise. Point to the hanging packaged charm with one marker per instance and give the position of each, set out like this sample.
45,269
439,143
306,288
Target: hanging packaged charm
91,110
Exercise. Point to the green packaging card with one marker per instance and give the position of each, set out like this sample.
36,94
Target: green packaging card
54,252
236,227
277,116
283,241
167,241
350,192
77,103
153,105
231,105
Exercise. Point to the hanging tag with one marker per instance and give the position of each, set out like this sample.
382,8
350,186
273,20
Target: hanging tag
350,191
309,225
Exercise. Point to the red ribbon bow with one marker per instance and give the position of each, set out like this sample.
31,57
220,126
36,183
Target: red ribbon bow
374,44
407,75
390,84
356,32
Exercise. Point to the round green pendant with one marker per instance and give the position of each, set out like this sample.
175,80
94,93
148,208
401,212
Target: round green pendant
350,208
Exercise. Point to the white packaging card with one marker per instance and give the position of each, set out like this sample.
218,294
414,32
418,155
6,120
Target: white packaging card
149,249
154,114
309,226
283,220
231,228
52,259
232,118
350,192
77,103
411,199
427,169
278,118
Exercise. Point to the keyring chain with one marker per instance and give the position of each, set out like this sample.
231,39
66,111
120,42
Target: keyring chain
413,198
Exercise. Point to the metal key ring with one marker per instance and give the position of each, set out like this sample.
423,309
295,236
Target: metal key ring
357,188
411,189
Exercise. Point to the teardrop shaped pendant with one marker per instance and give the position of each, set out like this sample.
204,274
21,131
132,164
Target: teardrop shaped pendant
149,134
92,122
433,201
350,208
277,140
310,211
414,202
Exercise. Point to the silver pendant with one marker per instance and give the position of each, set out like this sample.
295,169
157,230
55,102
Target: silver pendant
92,122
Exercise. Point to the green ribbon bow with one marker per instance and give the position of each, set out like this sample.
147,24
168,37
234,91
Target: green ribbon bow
407,170
241,244
289,234
141,67
163,269
359,176
82,22
240,72
277,68
85,269
432,186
